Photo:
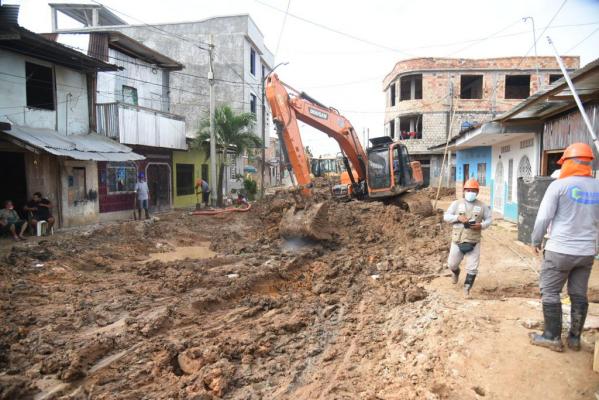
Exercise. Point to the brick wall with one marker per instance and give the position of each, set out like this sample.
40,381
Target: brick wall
439,74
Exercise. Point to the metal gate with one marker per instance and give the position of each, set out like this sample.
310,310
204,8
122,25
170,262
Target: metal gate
159,183
498,193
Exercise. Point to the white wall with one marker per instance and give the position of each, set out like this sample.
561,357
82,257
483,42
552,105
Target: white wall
71,96
516,153
150,92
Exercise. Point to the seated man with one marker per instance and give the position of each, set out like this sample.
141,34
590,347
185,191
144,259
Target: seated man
11,222
39,207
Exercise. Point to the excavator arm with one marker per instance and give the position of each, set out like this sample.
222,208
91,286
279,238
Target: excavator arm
288,106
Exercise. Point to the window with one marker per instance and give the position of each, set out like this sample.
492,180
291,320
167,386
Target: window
77,189
392,129
524,168
392,94
517,86
253,62
129,95
263,71
253,104
410,127
481,174
39,86
465,173
121,177
505,149
185,179
471,87
527,143
510,179
410,87
554,77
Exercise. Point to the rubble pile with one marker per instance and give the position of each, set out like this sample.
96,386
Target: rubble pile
263,318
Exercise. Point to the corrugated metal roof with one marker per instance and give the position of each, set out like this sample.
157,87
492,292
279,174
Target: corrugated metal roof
91,147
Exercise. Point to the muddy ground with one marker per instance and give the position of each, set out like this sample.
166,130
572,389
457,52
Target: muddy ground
195,307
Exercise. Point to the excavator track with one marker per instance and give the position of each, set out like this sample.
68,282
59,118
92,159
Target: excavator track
415,203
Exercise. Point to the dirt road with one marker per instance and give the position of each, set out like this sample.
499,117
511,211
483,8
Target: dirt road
202,308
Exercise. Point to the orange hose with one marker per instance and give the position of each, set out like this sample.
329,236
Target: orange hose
223,210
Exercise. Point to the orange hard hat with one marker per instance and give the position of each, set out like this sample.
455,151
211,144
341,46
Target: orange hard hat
577,150
471,184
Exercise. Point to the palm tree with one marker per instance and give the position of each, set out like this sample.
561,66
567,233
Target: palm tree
233,135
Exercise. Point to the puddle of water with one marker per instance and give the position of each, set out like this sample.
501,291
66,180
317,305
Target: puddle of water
181,253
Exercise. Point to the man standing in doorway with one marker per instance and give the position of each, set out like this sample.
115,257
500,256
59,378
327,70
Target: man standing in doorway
203,186
571,206
143,195
468,216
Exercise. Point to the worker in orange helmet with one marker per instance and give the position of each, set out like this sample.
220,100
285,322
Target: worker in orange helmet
468,216
571,206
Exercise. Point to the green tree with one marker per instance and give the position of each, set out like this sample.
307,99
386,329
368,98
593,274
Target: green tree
233,134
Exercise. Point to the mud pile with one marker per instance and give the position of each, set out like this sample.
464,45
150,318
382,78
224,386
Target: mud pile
263,318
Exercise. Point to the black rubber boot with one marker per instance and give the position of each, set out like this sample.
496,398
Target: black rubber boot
468,282
147,214
578,314
552,334
456,276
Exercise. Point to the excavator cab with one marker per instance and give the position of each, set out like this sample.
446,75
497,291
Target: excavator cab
391,174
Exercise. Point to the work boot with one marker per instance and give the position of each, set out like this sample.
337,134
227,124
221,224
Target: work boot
578,314
552,333
468,282
147,214
456,276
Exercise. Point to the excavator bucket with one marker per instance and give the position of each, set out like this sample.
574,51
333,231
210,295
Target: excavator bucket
311,222
416,203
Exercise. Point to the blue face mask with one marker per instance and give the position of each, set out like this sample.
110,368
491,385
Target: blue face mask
470,196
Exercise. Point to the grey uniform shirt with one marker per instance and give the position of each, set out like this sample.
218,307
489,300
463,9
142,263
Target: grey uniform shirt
571,206
142,190
452,213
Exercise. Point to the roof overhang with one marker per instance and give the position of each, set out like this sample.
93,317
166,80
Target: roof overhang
23,41
82,12
127,45
491,133
91,147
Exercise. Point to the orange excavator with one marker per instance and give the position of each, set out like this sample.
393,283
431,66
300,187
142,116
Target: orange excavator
383,172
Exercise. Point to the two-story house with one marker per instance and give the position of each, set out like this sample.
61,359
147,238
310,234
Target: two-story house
47,143
133,108
429,100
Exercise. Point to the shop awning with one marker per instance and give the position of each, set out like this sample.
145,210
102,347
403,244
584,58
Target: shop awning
92,147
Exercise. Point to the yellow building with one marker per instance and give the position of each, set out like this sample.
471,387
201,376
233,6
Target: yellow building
187,167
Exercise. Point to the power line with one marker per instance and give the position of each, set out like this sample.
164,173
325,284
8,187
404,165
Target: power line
335,30
483,39
542,32
282,28
157,28
583,40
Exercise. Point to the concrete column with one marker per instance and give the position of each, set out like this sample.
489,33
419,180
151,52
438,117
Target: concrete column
412,88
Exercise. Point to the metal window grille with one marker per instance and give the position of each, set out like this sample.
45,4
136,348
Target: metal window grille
527,143
505,149
524,168
510,179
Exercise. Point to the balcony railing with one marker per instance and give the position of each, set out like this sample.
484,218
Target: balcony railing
134,125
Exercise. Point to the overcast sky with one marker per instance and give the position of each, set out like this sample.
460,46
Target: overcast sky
340,50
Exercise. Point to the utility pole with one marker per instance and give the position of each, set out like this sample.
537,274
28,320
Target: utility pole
263,140
264,126
213,185
534,42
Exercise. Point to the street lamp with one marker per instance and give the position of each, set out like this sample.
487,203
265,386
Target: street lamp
264,128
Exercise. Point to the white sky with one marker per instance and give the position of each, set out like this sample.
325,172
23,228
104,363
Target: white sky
346,73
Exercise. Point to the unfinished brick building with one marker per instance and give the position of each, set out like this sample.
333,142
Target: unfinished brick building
422,95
